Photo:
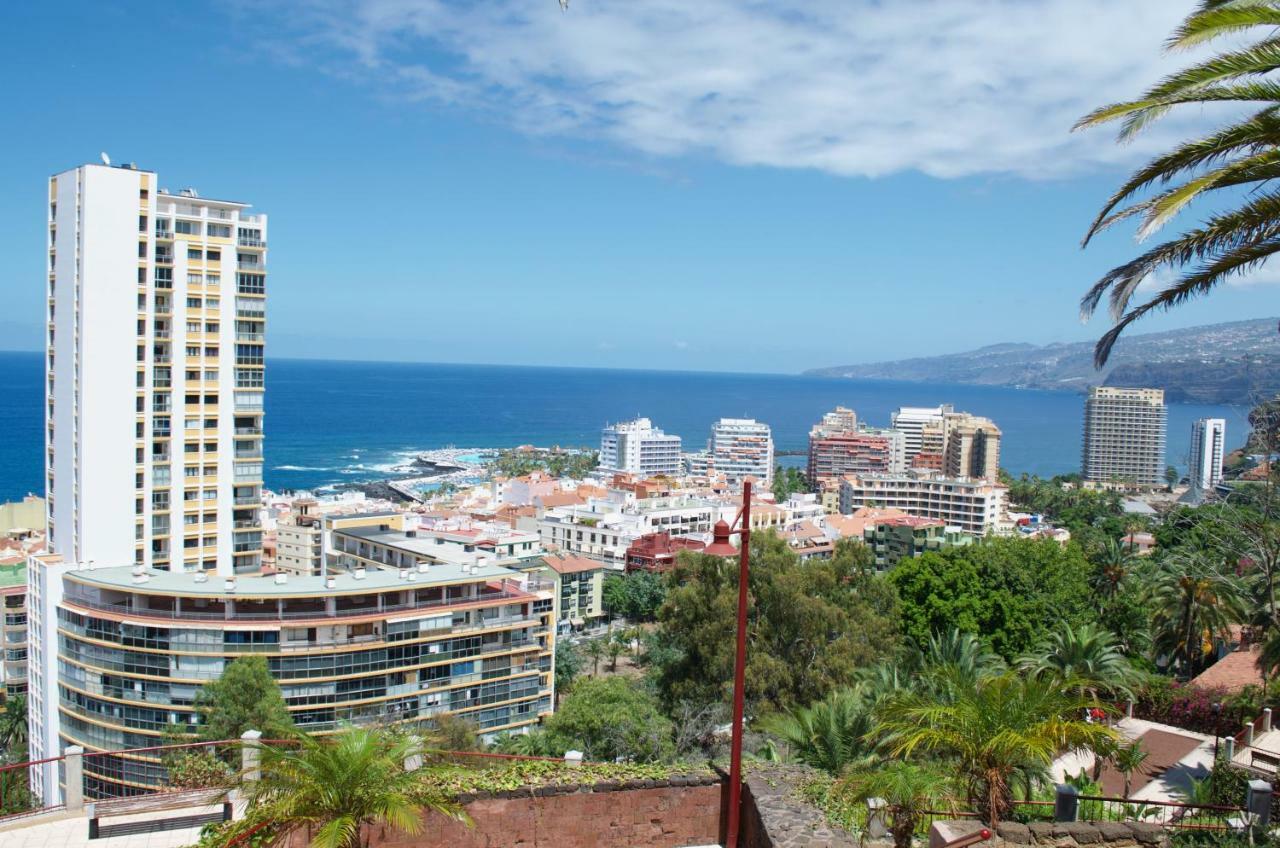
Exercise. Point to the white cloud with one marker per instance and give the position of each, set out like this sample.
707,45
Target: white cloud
850,87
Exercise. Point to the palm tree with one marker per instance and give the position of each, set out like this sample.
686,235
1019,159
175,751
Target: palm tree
998,730
831,735
1084,657
1114,563
954,660
595,649
908,790
1232,165
1129,759
13,728
337,788
1193,603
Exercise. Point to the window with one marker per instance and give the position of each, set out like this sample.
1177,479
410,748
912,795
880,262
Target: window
219,231
211,302
142,250
193,350
193,303
195,253
213,255
194,279
142,223
190,228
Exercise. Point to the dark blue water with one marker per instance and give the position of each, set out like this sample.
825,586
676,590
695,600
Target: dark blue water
332,422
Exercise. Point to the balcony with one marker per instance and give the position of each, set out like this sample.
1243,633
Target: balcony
251,337
164,234
164,259
244,241
260,267
247,500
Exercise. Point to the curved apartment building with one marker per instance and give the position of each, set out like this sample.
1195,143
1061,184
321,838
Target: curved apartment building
134,646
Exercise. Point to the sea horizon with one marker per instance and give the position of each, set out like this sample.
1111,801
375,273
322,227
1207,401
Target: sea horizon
336,421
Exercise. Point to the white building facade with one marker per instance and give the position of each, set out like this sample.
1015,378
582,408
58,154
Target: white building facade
741,448
637,447
154,380
1208,439
911,421
975,506
1124,436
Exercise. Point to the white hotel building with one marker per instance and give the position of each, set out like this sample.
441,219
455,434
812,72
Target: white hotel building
156,311
975,506
1208,438
741,448
637,447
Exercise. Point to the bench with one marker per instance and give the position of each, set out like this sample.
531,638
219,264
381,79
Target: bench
1265,761
159,802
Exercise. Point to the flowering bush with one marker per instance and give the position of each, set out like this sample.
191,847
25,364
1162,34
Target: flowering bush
1191,708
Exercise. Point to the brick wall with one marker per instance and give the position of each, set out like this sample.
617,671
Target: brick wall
680,811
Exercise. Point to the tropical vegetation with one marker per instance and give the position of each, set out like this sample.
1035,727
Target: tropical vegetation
1229,168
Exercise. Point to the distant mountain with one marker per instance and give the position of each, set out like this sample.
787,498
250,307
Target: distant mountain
1232,363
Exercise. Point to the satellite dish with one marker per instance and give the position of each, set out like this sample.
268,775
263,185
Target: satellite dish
106,160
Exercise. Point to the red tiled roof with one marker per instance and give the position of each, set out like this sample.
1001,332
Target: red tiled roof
571,564
1233,672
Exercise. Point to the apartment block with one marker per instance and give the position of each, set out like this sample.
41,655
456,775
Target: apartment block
838,446
974,506
903,537
1124,436
13,589
154,374
125,651
1208,442
971,447
637,447
911,421
741,448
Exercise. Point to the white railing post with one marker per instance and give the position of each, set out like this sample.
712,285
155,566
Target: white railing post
1248,734
73,761
251,755
1266,720
573,759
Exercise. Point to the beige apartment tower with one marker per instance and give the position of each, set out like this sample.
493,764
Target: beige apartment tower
154,374
1124,436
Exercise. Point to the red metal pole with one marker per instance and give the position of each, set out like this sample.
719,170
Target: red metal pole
739,675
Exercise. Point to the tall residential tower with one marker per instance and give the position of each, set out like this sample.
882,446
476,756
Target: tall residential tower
1208,436
153,412
1124,436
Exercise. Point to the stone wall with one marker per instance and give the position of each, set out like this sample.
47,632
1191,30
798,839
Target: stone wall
678,811
773,813
1057,834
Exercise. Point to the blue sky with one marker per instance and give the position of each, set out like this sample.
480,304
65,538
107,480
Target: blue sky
748,186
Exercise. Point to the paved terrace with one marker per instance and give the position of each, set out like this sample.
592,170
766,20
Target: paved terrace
67,829
1175,758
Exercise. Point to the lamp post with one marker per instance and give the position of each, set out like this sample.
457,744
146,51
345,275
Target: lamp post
720,546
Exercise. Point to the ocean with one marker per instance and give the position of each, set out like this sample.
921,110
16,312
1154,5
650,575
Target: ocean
332,422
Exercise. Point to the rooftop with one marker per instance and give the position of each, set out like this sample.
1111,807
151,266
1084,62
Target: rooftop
258,586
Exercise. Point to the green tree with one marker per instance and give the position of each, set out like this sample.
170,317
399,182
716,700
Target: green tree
339,788
1002,588
636,596
13,728
1083,657
455,733
1171,476
1192,603
1129,759
1230,166
615,647
832,734
245,697
595,649
1000,728
609,717
909,791
568,665
812,626
788,481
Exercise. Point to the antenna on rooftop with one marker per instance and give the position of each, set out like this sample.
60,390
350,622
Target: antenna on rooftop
106,160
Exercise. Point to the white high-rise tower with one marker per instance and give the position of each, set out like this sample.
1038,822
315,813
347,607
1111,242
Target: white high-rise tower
1208,436
154,383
